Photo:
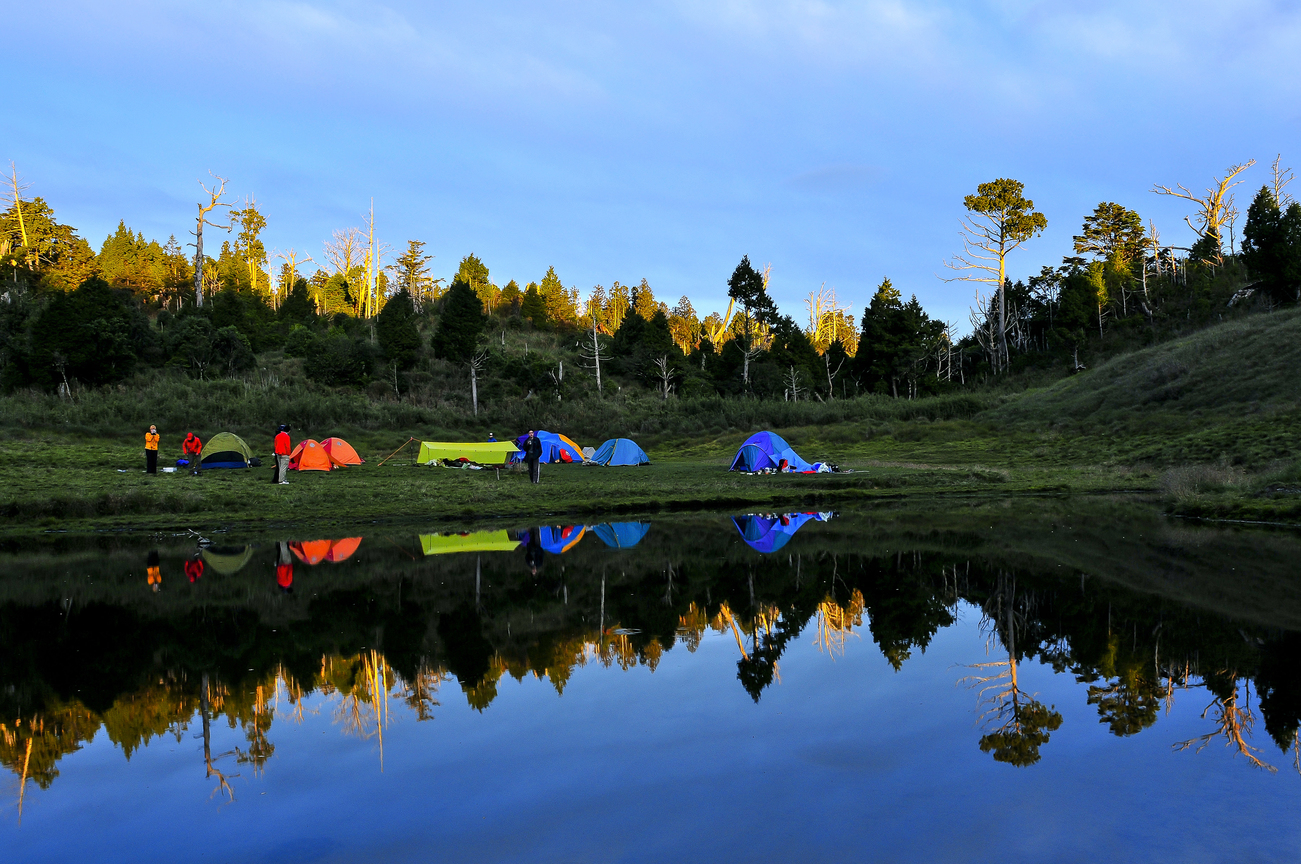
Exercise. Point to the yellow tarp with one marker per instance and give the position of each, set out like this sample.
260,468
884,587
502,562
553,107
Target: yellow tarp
476,541
485,454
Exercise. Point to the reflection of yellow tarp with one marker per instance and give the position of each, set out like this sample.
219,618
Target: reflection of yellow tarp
477,541
495,453
227,560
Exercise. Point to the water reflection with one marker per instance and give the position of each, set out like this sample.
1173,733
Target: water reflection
245,640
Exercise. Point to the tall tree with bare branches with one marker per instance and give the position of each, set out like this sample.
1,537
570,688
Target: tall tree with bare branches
1214,209
214,201
1000,220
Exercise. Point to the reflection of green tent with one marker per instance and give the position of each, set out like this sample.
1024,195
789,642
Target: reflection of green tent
225,450
227,559
493,453
475,541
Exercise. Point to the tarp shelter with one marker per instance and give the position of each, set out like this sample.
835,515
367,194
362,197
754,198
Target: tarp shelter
555,448
341,452
557,539
309,455
620,451
474,541
225,450
493,453
766,450
769,533
622,535
227,559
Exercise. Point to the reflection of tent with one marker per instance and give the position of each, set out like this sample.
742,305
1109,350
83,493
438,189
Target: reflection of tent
622,535
475,541
768,534
558,540
309,455
225,450
554,448
341,452
620,451
766,450
493,453
227,559
342,550
311,551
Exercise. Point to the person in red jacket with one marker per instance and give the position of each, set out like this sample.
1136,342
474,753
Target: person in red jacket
192,447
285,569
282,450
194,567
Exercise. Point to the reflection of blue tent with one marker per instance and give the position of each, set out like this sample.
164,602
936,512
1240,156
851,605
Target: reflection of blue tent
766,450
553,446
620,451
622,535
768,534
558,540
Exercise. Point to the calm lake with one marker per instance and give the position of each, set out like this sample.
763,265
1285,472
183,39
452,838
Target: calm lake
1032,680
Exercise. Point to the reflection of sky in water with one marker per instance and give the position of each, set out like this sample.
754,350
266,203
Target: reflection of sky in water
843,760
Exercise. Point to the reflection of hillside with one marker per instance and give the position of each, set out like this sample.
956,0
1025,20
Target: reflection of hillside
389,623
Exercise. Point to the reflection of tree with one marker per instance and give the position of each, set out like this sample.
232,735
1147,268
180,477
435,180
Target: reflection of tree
1023,723
835,623
1127,704
1233,719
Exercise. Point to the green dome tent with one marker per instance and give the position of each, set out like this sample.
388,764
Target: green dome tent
225,450
227,559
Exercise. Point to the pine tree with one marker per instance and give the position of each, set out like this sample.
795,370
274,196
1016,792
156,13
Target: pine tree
396,331
532,306
460,324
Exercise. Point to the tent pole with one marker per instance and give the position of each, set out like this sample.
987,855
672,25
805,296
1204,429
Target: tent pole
395,452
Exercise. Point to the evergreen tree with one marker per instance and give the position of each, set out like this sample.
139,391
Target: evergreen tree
460,324
1271,246
533,307
395,328
298,308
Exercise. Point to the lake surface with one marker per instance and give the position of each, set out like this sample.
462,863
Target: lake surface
1040,680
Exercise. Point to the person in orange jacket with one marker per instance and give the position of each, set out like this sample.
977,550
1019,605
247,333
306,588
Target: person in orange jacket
151,450
153,573
282,451
192,448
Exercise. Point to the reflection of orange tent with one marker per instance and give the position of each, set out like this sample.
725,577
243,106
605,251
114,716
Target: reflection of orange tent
309,455
341,452
341,550
311,551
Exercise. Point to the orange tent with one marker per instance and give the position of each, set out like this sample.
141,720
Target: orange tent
311,551
341,452
342,550
309,455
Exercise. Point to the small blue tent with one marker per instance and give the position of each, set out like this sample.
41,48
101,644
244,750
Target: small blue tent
622,535
620,451
768,534
552,446
559,539
766,450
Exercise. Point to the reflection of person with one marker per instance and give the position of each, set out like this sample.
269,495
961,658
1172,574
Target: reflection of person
282,450
285,569
154,574
533,551
192,447
151,450
532,453
194,567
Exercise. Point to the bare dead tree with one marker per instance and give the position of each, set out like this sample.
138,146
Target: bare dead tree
292,260
1279,178
983,327
476,366
792,381
1214,208
590,348
16,197
831,376
214,195
665,374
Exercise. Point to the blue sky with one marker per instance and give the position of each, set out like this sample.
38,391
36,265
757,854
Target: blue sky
658,139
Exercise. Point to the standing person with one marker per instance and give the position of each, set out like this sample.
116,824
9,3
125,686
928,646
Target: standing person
285,569
151,450
193,448
282,457
532,453
153,573
194,567
533,551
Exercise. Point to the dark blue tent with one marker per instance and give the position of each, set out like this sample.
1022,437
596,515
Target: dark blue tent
769,533
766,450
622,535
558,539
620,451
552,446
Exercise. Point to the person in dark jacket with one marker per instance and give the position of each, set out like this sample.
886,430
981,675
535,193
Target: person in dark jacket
533,551
532,453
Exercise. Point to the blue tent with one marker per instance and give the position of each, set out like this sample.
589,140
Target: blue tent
768,534
620,451
558,539
552,446
622,535
766,450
